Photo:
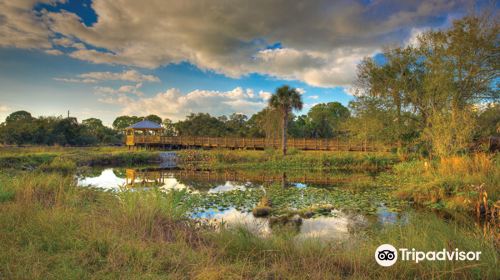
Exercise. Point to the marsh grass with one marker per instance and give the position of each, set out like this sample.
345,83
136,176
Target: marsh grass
62,159
273,159
447,183
50,229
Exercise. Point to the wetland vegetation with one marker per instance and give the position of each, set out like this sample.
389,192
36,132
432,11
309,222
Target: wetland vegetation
186,226
70,212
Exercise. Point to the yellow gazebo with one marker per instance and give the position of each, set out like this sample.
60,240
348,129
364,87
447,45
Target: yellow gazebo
144,132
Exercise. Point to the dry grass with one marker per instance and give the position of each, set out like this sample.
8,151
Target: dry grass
49,229
479,163
450,182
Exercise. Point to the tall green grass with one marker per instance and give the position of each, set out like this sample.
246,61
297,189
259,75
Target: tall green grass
66,159
273,159
50,229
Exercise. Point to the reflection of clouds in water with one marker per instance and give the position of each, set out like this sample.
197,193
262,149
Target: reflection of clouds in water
325,228
228,186
107,180
234,218
336,227
172,184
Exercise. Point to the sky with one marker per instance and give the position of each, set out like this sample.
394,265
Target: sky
106,58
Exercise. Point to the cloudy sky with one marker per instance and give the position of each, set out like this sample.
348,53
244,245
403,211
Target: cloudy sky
105,58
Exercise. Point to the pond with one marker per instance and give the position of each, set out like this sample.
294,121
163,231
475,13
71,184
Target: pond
330,205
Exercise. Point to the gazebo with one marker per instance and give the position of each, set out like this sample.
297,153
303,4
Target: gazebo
143,132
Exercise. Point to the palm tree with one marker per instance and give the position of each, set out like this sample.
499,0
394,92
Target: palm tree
285,99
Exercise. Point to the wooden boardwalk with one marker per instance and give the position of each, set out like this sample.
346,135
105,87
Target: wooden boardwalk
179,142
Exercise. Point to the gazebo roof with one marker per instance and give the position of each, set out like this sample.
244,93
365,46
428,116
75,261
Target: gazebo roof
145,124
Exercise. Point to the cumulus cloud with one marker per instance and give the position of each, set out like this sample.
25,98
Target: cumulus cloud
94,77
21,27
265,95
323,40
128,75
124,89
175,105
300,90
54,52
313,97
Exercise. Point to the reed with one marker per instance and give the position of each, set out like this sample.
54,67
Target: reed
51,229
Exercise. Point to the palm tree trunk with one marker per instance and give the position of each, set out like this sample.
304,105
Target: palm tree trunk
283,131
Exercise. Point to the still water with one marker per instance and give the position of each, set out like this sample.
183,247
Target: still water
227,198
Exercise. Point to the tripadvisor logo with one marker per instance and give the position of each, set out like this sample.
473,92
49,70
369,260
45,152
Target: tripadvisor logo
387,255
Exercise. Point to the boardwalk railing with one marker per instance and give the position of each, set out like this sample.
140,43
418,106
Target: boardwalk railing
250,143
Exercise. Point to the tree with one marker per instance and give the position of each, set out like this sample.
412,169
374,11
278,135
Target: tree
300,127
489,121
153,118
201,124
122,122
169,127
326,118
18,116
285,100
18,128
237,125
431,89
93,127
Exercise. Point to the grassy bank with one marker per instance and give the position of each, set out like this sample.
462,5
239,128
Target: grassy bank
273,159
33,157
50,158
50,229
453,183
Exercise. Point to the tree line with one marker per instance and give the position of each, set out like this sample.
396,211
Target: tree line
437,96
21,128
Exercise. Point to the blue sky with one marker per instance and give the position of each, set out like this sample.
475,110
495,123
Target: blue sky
106,58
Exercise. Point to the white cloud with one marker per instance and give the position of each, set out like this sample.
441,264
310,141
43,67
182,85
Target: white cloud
124,89
300,90
127,75
313,97
63,41
310,105
265,95
175,105
21,27
323,40
54,52
76,80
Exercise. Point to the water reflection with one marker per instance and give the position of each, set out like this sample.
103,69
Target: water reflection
336,227
106,180
211,181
